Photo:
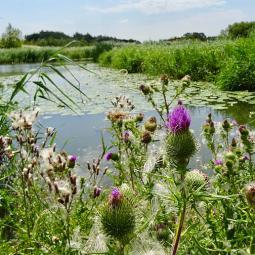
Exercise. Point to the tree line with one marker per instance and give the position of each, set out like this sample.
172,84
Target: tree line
12,37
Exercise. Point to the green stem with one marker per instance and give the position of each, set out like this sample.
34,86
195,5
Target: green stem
182,214
179,229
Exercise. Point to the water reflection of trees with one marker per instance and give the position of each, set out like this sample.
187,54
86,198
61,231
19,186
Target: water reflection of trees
241,113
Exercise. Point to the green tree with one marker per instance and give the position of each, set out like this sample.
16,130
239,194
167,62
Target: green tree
239,29
11,38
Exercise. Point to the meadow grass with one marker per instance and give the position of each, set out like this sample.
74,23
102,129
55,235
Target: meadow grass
230,64
32,54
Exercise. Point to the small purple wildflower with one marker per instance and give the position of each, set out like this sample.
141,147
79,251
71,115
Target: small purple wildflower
246,158
72,157
115,197
218,162
126,136
115,193
97,192
108,156
71,161
178,119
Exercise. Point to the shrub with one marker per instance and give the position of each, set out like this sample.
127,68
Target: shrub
11,38
238,69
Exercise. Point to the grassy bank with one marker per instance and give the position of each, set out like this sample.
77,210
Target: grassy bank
231,64
29,54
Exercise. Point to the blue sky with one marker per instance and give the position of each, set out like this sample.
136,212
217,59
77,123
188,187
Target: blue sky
138,19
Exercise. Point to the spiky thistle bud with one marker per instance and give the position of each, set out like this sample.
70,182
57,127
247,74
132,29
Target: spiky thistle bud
181,147
226,125
249,191
111,156
97,191
164,79
151,124
145,89
195,180
243,131
146,137
233,143
139,117
71,161
230,156
117,216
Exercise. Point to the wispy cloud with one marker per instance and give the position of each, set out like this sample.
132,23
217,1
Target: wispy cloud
124,21
155,6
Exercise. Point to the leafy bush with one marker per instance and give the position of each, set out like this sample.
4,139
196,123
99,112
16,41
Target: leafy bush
239,29
238,69
11,38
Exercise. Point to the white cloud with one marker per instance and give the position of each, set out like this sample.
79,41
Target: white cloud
211,23
123,21
156,6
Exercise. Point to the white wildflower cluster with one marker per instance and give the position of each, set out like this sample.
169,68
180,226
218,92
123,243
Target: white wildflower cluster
43,161
6,151
23,119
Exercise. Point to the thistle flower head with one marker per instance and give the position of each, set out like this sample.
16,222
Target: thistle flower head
146,137
151,124
118,215
139,117
195,179
71,161
108,156
115,197
218,162
178,119
249,191
126,136
111,156
145,89
72,158
97,191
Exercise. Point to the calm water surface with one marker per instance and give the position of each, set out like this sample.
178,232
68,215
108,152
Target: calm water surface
80,134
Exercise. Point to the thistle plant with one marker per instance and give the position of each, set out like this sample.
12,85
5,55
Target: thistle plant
180,142
130,140
162,88
118,217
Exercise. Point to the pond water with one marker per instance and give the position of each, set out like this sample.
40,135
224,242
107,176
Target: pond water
80,133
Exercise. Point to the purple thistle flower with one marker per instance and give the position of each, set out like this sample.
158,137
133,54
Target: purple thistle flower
108,156
97,192
126,135
178,119
71,161
246,158
72,157
218,162
115,197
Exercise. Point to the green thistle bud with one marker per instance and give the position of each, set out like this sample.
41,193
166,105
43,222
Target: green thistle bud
234,143
139,117
118,216
145,89
195,179
146,137
249,191
226,125
230,156
181,147
218,168
229,164
164,79
151,124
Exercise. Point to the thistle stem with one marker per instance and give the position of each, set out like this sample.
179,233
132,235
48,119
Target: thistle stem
179,230
181,217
